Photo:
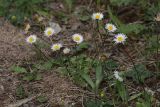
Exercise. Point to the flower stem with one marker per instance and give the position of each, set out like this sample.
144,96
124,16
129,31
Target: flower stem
100,35
157,61
135,69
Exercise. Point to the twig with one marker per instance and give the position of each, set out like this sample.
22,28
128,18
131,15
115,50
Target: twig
90,3
21,102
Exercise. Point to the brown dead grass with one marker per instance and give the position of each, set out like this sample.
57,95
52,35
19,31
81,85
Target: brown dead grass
12,45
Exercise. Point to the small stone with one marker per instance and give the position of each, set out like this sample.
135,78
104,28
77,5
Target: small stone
1,89
56,27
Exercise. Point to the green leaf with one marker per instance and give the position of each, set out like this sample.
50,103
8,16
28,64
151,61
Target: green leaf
140,73
111,65
138,104
129,28
84,17
99,75
122,90
41,99
20,92
87,78
32,77
44,66
18,69
82,46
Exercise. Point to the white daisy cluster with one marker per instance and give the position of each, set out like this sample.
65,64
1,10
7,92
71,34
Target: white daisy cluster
111,28
78,38
117,76
49,31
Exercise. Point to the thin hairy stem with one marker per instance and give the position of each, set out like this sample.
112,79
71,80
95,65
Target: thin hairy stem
135,69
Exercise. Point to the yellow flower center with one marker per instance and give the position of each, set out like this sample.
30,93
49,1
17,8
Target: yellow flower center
97,16
56,47
31,40
49,32
77,38
110,27
120,39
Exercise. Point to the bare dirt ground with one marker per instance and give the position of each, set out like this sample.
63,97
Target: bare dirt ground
13,50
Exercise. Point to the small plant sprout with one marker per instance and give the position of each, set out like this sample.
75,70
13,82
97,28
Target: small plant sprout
49,31
110,27
66,50
117,76
97,16
77,38
31,39
56,47
120,38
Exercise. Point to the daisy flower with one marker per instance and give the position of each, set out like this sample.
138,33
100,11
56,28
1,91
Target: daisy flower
77,38
31,39
110,27
56,47
120,38
66,50
116,74
97,16
49,31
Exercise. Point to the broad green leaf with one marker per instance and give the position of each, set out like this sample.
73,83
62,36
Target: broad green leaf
18,69
87,78
129,28
20,92
99,75
111,65
138,104
82,46
140,74
41,99
84,17
122,90
44,66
